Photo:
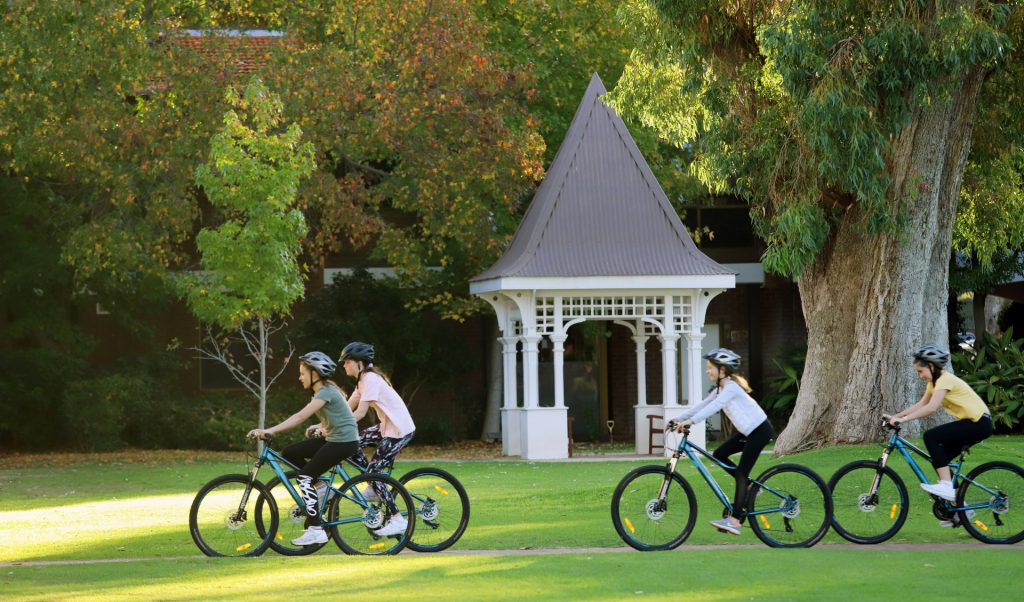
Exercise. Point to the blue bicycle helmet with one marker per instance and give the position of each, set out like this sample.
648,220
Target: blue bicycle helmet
723,357
360,352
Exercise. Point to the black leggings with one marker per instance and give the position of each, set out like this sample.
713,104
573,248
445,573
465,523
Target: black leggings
321,455
751,446
945,441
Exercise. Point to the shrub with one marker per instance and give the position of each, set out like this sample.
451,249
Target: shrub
994,368
783,388
94,410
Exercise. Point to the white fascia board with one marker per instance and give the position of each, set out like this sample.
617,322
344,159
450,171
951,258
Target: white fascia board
747,273
603,284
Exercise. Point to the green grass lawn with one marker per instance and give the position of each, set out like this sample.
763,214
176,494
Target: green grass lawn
112,510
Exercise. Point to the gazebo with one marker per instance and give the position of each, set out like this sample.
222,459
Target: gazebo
599,241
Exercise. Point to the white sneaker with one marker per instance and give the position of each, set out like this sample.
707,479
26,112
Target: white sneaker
396,526
942,489
956,520
312,536
321,489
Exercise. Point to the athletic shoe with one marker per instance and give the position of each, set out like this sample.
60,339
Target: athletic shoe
396,526
955,521
725,525
942,489
321,489
370,494
313,535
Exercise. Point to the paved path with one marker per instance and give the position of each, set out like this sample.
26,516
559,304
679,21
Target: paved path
895,547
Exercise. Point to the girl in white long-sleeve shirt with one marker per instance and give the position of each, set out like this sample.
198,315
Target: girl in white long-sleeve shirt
731,395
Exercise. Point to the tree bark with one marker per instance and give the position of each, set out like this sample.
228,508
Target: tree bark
495,390
869,300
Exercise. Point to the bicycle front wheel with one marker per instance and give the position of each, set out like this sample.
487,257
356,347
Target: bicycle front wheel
997,488
646,521
221,524
356,513
869,503
293,519
442,509
790,507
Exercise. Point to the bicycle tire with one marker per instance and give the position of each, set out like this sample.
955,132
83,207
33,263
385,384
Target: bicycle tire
359,518
780,496
291,519
214,522
1001,485
860,518
635,498
441,503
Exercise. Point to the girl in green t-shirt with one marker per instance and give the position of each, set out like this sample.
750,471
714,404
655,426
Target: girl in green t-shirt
328,443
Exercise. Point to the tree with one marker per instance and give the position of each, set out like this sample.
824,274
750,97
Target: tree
250,273
847,126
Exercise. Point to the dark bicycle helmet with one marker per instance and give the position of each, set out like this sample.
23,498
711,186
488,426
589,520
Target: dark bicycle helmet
723,357
932,353
360,352
320,362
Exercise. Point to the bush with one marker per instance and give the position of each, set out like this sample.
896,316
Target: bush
783,389
94,410
994,368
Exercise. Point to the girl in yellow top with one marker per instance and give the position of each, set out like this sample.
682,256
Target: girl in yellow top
945,441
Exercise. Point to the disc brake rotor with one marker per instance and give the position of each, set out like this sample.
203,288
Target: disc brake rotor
655,510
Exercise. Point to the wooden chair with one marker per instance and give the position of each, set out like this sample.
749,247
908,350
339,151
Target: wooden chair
653,430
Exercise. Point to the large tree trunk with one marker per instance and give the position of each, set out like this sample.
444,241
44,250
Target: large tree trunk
869,300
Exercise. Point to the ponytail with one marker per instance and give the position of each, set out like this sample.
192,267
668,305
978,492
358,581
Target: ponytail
735,377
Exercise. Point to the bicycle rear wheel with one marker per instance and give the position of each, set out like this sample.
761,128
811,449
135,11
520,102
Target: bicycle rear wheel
292,518
864,517
442,508
790,507
646,522
1000,487
353,518
221,525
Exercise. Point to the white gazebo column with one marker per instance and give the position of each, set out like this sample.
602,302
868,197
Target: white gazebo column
558,357
544,433
669,405
510,429
642,409
695,367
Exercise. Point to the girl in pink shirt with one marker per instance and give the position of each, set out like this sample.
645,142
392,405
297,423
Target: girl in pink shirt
395,428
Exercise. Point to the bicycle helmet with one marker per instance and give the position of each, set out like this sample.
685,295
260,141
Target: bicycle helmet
320,362
933,354
723,357
360,352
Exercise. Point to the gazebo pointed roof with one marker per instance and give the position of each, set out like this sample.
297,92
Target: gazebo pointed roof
600,211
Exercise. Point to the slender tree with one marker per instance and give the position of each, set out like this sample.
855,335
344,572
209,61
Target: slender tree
249,273
848,127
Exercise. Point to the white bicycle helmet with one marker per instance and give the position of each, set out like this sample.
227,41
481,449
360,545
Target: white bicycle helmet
933,354
320,362
723,357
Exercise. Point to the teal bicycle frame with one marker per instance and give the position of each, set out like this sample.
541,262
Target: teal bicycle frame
904,447
691,451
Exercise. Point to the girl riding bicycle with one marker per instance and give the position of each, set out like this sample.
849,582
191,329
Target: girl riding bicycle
335,438
944,442
395,427
731,394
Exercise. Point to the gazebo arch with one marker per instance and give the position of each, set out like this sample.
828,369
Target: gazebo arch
600,241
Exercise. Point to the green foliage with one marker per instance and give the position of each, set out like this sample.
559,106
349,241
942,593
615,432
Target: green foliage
94,410
797,106
995,370
417,350
250,266
784,387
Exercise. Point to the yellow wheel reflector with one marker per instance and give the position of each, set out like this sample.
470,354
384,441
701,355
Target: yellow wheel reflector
632,529
376,546
244,546
441,489
764,521
279,535
892,513
981,525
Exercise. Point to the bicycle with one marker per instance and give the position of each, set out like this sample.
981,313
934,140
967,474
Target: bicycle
440,501
871,501
654,507
226,519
